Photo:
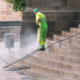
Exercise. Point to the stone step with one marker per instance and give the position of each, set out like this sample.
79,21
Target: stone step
68,34
10,27
5,27
59,37
54,71
10,31
50,41
74,30
15,34
54,62
61,57
65,51
15,30
36,73
4,32
39,73
70,46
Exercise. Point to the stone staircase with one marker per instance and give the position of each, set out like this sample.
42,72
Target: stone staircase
56,63
15,30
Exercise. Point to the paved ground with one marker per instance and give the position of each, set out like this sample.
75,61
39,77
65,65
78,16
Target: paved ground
4,75
9,75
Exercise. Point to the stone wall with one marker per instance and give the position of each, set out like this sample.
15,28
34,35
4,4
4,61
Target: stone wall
73,3
6,13
60,14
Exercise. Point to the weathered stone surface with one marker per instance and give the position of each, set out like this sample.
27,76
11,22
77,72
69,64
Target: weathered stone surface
60,14
46,3
73,3
6,13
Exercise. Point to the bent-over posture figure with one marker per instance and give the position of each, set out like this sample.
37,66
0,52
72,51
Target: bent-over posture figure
42,26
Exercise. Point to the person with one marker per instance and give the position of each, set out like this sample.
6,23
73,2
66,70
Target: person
42,27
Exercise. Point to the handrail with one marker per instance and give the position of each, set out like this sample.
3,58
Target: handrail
30,55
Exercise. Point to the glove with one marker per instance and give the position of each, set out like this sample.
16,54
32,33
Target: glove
37,25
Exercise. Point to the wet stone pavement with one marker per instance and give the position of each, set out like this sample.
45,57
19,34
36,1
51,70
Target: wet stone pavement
11,75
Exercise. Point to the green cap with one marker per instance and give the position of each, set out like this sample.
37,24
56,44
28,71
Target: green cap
35,10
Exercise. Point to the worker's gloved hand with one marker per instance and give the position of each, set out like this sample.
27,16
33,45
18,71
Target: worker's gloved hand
37,25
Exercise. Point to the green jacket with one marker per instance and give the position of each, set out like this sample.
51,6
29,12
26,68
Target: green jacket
43,22
42,25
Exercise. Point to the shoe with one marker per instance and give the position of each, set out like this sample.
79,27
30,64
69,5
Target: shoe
42,49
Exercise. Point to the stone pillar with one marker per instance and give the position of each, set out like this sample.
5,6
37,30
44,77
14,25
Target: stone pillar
60,14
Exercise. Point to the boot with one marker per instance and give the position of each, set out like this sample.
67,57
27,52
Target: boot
42,49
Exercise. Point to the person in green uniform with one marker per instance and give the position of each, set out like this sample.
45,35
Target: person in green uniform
42,26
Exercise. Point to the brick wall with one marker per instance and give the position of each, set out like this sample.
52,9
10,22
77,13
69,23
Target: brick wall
6,13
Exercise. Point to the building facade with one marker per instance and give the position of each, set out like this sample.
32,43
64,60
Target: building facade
6,13
60,14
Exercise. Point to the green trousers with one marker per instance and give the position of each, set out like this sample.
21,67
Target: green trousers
42,32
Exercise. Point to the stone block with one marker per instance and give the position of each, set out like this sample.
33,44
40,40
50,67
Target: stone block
73,3
66,51
76,76
52,63
53,71
69,34
74,30
78,25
